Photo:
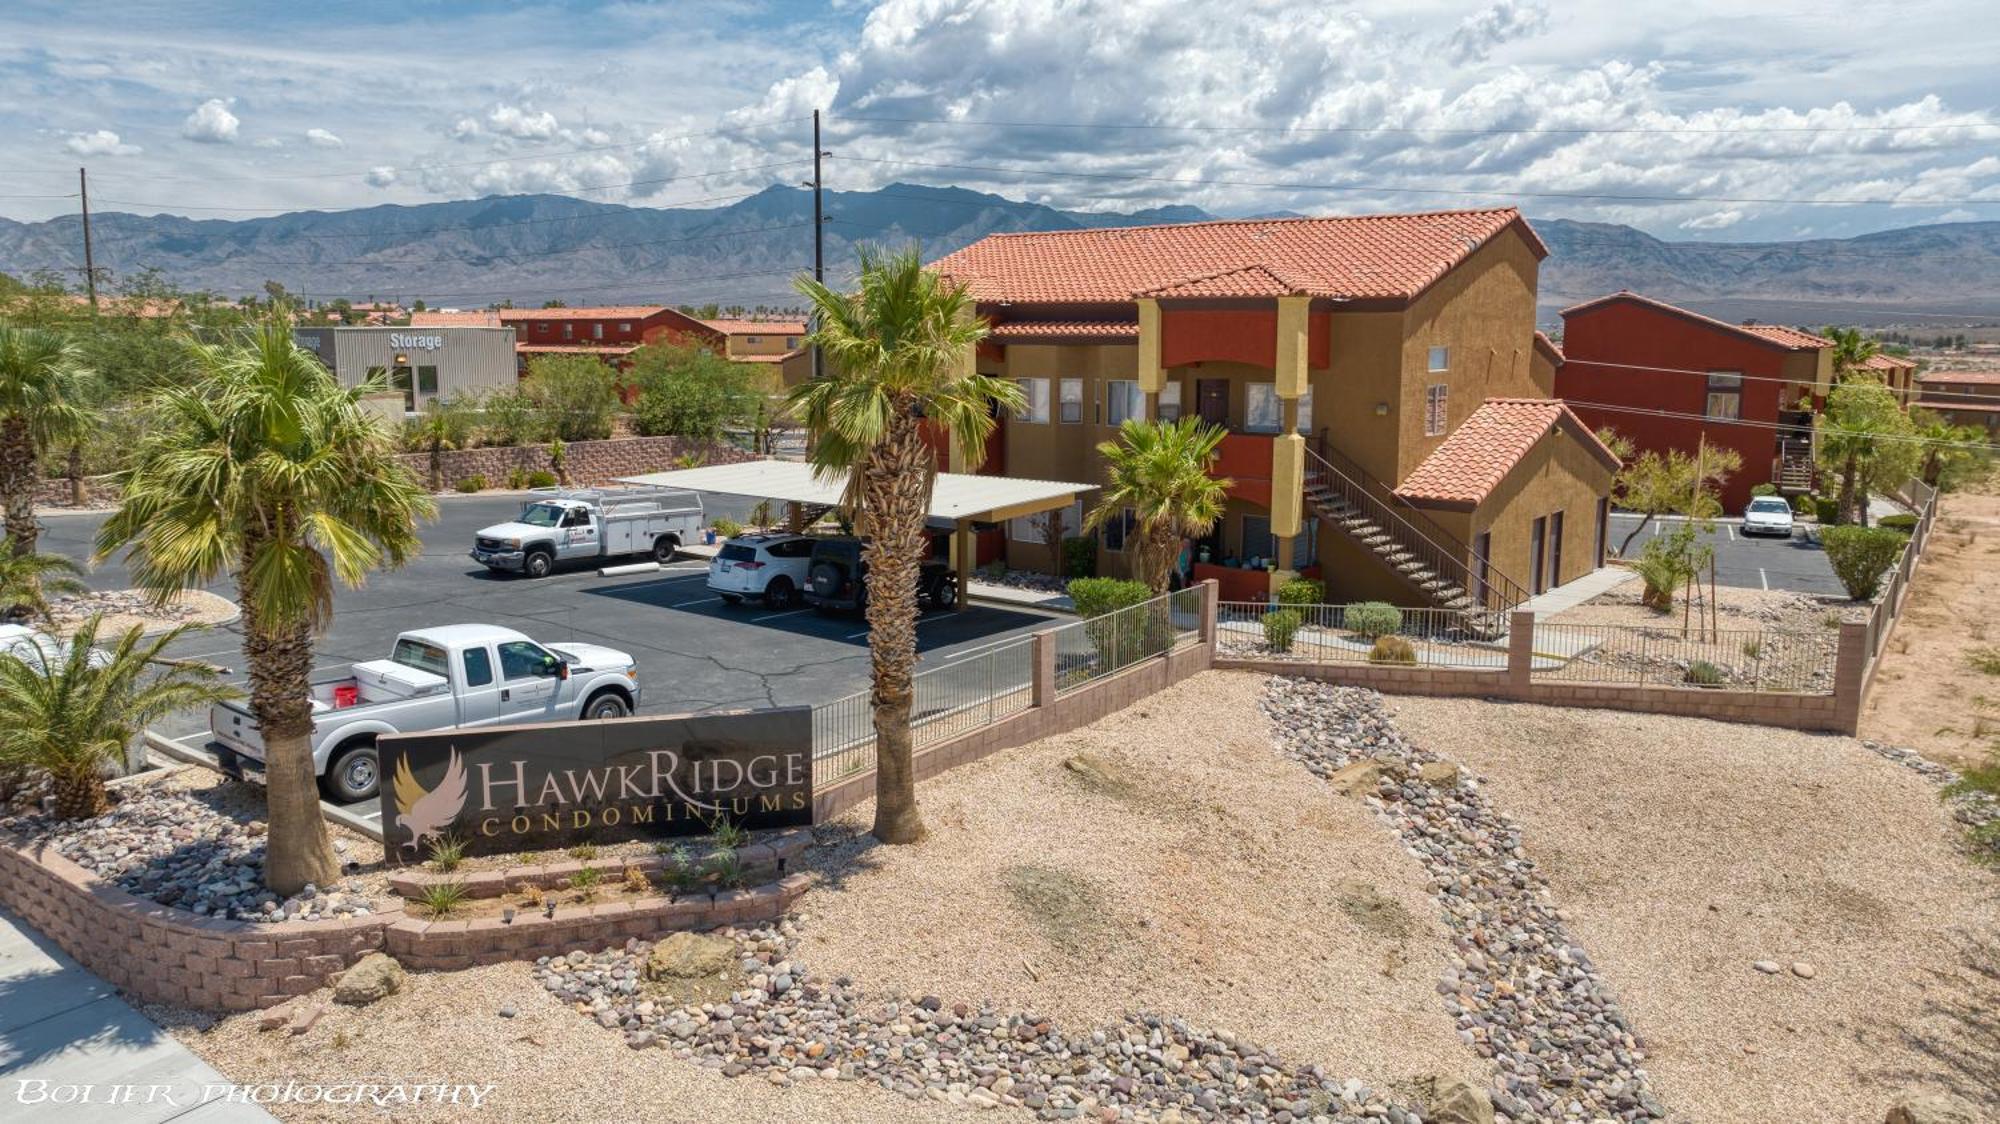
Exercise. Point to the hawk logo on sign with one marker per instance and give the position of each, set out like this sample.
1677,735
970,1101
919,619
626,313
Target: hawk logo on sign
427,814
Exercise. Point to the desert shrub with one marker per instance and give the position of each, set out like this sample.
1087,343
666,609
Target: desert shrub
1763,489
725,867
1904,523
1804,505
1280,626
441,898
1095,597
1665,564
472,483
583,851
1985,661
574,396
636,881
586,881
727,835
541,478
447,852
1860,555
1980,779
1128,637
1826,509
1079,557
1302,591
1701,673
517,478
1392,649
727,528
1371,618
512,418
994,571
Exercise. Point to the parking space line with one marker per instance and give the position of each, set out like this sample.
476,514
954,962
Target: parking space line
1730,531
696,601
1763,578
775,616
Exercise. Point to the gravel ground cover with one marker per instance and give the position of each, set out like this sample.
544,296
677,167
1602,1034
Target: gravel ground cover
124,608
195,840
1788,918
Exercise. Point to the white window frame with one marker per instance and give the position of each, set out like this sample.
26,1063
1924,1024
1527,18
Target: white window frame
1723,386
1437,409
1252,393
624,327
1033,391
1170,400
1439,359
597,330
1069,393
753,339
1134,405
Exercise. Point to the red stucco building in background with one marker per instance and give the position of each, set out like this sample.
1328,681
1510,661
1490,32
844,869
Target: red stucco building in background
1667,378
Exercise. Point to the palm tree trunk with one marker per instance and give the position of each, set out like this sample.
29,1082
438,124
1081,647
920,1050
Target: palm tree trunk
1843,507
895,490
437,467
18,473
79,794
280,655
74,470
1162,549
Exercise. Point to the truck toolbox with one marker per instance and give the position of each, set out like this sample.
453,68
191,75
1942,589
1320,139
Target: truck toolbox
387,679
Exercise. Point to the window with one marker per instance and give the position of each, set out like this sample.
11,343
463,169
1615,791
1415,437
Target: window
1122,400
478,667
1260,407
1725,395
1170,400
569,331
1115,531
522,659
421,656
1035,401
576,517
597,330
1306,411
1258,542
427,380
542,327
404,380
753,339
624,327
791,342
1069,401
1029,528
1436,400
1440,359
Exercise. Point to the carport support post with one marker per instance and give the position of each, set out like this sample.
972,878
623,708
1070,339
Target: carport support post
795,517
961,545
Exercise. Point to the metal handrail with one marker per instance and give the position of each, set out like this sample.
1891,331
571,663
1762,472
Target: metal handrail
1452,560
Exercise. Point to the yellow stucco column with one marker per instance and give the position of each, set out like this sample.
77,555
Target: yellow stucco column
1293,346
1288,481
1151,377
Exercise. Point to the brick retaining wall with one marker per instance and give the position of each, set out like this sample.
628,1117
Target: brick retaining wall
589,462
772,849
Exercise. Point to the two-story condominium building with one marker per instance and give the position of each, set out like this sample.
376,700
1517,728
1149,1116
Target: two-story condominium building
1667,378
609,332
1390,413
777,344
1969,398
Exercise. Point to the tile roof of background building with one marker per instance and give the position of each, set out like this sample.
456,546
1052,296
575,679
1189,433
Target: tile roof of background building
1789,338
1485,447
479,318
605,312
1358,257
758,327
1883,361
1064,330
1983,378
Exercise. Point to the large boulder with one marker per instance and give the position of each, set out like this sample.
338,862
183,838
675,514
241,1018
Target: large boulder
1459,1102
1357,778
690,956
374,976
1932,1108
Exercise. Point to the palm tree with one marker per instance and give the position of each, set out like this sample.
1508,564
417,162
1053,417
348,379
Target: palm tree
72,712
26,580
41,404
1851,349
1864,434
895,356
268,471
1947,449
1160,471
443,425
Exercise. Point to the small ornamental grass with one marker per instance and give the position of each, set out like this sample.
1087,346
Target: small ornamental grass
447,852
1392,649
442,898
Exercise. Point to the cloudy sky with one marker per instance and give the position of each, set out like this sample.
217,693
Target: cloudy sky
1691,119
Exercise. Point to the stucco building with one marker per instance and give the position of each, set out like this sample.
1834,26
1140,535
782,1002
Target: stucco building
1969,398
1389,412
423,363
775,344
610,332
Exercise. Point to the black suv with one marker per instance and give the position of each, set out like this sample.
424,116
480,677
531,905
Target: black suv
837,579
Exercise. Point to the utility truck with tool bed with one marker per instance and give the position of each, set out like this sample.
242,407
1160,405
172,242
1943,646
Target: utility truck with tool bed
559,525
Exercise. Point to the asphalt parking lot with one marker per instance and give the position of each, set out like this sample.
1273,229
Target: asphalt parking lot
694,652
1759,562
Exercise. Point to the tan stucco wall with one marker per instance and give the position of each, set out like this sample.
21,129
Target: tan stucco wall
766,344
1558,474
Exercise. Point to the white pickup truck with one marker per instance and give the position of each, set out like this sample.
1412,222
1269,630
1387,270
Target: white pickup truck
437,679
560,525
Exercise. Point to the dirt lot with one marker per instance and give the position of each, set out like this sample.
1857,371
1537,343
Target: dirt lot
1686,851
1736,609
1928,695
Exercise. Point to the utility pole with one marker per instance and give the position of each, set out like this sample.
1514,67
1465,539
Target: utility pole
819,231
89,265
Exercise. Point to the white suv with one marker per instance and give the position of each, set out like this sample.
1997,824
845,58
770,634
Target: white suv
771,566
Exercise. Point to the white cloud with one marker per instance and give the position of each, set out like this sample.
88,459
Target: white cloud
1713,220
211,123
517,121
320,138
381,176
100,142
1501,22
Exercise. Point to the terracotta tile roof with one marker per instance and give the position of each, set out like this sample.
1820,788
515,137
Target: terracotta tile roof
575,348
1883,361
605,312
481,318
758,327
1548,347
1790,339
792,354
1355,257
1948,407
1480,453
1983,378
1064,330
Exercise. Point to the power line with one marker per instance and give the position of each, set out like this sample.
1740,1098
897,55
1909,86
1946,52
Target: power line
1282,185
1706,420
1417,130
531,254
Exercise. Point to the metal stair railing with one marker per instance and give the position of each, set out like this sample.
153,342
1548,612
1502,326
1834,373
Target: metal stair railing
1443,553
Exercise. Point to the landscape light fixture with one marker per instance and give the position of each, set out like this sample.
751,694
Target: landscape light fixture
507,915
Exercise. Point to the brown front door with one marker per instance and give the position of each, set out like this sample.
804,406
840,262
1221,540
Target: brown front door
1538,541
1212,400
1555,549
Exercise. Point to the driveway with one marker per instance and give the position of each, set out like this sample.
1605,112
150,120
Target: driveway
1761,562
694,652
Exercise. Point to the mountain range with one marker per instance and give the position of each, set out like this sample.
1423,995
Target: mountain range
528,248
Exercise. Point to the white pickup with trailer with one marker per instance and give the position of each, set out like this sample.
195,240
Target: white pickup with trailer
561,525
439,679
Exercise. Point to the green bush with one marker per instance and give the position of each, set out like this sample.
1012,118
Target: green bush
1079,557
1095,597
1903,523
1701,673
541,478
1371,618
727,528
1763,489
1825,509
1302,591
1392,649
1860,555
472,483
1280,625
517,478
1804,505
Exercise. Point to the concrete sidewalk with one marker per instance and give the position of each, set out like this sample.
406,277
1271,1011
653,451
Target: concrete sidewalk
1576,592
61,1025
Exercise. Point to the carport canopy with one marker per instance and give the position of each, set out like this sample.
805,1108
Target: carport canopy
957,499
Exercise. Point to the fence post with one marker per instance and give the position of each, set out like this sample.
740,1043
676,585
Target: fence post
1850,674
1520,652
1043,677
1211,600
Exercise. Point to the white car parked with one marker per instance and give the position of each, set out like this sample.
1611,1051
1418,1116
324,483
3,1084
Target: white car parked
770,566
1768,515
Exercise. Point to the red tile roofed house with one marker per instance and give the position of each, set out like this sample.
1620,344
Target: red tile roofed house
1339,353
1897,371
1969,398
1668,378
454,318
778,344
610,332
